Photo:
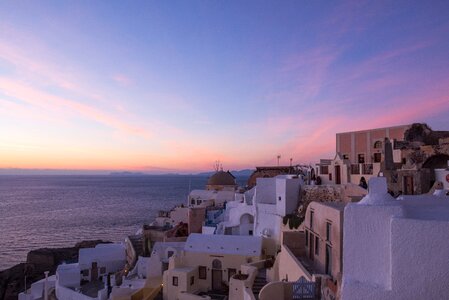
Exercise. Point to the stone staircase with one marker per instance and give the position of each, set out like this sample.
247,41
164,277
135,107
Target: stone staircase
137,243
259,283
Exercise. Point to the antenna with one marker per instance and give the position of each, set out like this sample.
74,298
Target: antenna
291,161
217,165
279,157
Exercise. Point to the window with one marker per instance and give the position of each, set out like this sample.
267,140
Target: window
311,246
345,156
328,265
317,248
378,145
175,281
192,201
170,254
367,169
361,158
330,176
216,264
307,238
328,231
311,219
355,169
85,272
324,169
377,157
280,198
202,272
250,232
192,280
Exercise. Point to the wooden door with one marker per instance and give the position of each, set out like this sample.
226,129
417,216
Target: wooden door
217,277
337,175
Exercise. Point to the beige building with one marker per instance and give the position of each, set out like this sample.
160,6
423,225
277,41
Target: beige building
208,262
360,154
323,228
365,147
314,254
407,155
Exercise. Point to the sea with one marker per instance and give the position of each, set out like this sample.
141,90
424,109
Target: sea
59,211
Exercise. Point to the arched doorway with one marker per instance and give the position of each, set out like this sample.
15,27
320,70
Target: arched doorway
246,224
217,275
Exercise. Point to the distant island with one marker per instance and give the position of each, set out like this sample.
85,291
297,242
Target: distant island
127,173
239,173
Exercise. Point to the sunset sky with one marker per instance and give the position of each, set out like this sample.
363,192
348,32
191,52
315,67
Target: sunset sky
172,86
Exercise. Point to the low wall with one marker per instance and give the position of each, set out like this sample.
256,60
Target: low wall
188,296
289,267
242,288
69,294
276,290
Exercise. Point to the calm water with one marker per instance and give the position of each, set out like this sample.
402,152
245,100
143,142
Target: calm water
58,211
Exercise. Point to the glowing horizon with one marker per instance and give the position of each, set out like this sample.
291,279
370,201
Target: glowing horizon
172,87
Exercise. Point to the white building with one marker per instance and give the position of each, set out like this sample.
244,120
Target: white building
221,187
442,175
396,249
204,198
160,255
87,279
145,280
260,211
38,289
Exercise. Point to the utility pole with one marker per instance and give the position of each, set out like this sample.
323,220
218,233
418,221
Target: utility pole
279,157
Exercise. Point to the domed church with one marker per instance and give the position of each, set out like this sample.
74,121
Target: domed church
221,181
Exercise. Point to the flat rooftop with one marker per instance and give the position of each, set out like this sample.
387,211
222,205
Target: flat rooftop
224,244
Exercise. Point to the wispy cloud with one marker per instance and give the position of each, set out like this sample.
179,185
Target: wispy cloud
51,102
122,80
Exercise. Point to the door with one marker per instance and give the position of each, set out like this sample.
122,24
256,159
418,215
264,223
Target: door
94,272
217,277
217,274
337,175
408,185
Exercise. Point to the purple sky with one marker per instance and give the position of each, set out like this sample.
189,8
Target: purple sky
175,85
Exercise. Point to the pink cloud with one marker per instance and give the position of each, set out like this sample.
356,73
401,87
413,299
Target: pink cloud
50,102
309,69
34,62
